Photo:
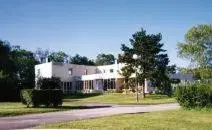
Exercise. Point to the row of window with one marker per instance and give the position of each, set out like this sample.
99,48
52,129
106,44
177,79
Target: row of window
67,86
70,71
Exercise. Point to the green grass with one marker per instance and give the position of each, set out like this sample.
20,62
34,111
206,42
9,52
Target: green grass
17,108
78,102
175,119
121,99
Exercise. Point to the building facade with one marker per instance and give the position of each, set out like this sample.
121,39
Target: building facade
88,79
82,77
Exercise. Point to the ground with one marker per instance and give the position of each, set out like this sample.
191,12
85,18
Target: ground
79,102
172,119
17,108
117,98
32,120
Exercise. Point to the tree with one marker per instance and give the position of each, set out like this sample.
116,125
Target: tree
105,59
60,57
17,70
6,64
41,55
80,60
147,47
24,63
126,72
198,46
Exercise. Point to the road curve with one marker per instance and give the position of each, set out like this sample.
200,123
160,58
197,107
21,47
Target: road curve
31,120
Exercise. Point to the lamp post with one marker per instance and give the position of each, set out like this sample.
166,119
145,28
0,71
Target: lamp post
135,57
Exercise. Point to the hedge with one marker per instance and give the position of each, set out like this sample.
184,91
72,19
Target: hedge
49,83
9,90
192,96
36,98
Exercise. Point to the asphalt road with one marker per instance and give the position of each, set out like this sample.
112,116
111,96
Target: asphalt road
32,120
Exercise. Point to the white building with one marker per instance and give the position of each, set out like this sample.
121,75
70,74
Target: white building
82,77
91,78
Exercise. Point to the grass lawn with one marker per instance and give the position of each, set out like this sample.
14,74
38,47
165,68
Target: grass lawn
78,102
117,98
175,119
17,108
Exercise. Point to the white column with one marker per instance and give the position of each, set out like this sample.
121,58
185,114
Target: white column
146,86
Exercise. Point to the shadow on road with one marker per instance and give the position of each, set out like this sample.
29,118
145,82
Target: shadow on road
83,107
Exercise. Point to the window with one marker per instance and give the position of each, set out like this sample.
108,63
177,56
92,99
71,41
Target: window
111,70
70,71
97,71
103,71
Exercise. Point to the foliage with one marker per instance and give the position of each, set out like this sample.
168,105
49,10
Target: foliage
24,63
49,83
192,96
80,60
198,45
126,72
199,73
60,57
105,59
9,91
6,63
41,55
35,98
151,60
16,70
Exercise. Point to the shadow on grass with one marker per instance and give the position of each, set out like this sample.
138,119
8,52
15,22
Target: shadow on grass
155,97
81,95
137,113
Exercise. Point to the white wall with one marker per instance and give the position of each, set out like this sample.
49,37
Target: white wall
62,70
45,70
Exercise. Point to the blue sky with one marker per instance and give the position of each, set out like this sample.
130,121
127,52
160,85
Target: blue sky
89,27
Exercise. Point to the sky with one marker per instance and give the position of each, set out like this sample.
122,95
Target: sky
90,27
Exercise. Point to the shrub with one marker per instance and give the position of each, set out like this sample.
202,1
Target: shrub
9,90
111,90
192,96
49,83
97,91
35,98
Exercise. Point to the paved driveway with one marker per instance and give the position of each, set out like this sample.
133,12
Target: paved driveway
31,120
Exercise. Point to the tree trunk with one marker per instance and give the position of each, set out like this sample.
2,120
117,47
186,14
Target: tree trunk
143,89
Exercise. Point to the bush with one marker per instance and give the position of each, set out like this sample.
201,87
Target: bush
111,90
9,90
97,91
49,83
192,96
48,97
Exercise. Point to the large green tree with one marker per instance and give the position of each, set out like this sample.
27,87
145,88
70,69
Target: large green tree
148,49
105,59
80,60
16,70
24,63
198,49
198,45
60,57
6,63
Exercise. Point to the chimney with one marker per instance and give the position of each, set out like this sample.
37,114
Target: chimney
47,59
116,62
